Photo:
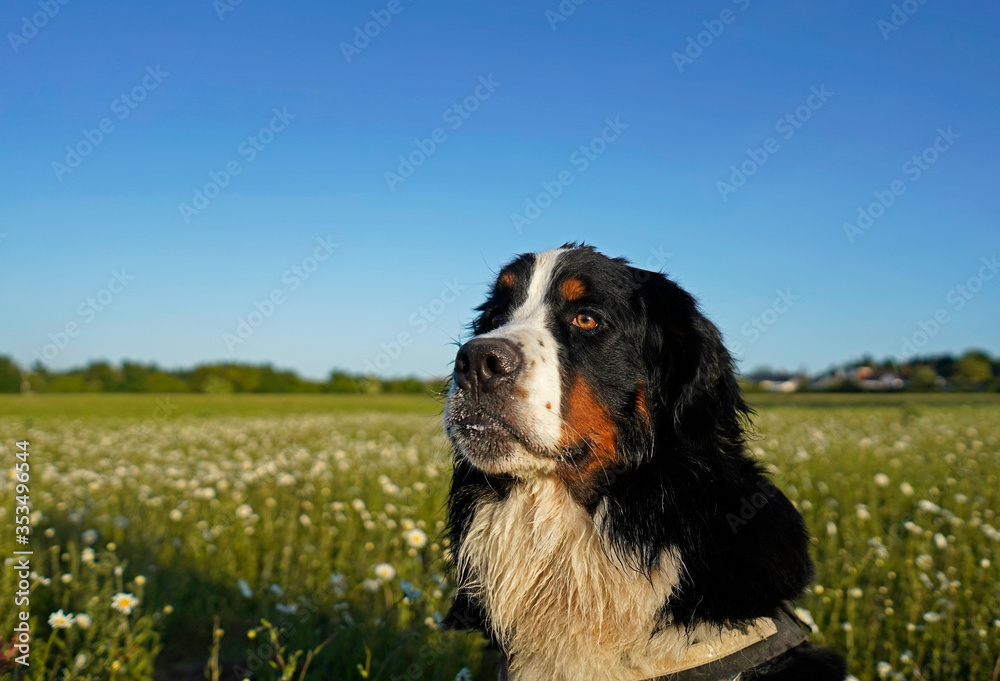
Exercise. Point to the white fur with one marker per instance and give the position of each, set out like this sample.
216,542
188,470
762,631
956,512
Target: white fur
560,605
538,413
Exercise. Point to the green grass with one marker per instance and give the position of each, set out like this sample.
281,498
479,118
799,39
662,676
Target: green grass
149,406
280,507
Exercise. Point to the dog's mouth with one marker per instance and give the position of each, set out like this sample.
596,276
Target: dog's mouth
485,425
489,441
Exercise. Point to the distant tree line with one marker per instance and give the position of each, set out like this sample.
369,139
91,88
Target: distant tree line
135,377
974,371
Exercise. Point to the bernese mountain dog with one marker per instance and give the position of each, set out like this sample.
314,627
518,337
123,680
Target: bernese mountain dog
606,520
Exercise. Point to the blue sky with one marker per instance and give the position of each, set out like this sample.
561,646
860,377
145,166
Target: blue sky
823,107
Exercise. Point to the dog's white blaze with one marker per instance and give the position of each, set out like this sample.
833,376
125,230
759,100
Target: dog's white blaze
538,413
560,606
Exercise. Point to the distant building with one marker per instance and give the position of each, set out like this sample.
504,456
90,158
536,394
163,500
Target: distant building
887,381
775,383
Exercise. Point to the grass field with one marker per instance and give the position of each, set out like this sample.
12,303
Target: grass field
170,527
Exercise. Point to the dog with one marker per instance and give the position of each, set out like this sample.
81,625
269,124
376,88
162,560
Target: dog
598,512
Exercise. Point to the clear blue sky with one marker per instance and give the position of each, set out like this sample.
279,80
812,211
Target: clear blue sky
208,85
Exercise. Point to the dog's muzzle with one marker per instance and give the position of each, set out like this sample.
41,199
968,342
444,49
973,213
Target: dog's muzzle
486,366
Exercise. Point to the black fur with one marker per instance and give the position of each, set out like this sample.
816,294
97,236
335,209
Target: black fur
685,479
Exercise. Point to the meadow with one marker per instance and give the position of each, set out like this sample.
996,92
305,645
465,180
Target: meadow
300,537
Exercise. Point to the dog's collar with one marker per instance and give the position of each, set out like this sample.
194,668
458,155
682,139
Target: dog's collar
727,655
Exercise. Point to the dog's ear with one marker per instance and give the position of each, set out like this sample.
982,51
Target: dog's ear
694,371
693,493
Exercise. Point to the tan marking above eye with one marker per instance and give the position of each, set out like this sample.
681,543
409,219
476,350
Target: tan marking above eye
506,280
585,322
573,289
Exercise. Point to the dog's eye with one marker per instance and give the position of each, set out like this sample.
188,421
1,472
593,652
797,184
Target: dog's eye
498,320
585,322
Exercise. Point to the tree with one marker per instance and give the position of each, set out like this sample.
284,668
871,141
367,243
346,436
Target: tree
72,383
38,377
341,382
216,385
135,377
106,376
10,376
161,382
974,367
923,377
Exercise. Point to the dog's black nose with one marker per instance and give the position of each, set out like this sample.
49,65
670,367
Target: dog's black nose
483,364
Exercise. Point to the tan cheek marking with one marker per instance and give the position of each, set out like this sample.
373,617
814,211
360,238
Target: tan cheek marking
587,418
573,289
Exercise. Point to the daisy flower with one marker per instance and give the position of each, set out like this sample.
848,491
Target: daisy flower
60,620
124,602
416,538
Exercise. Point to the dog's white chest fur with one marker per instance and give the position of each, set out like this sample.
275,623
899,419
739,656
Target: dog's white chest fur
562,607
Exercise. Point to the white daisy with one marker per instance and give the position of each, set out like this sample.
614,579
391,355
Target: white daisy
124,602
60,620
416,538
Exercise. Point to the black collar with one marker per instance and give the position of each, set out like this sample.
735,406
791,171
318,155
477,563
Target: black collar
782,632
789,632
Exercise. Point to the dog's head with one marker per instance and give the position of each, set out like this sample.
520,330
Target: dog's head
580,364
608,378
